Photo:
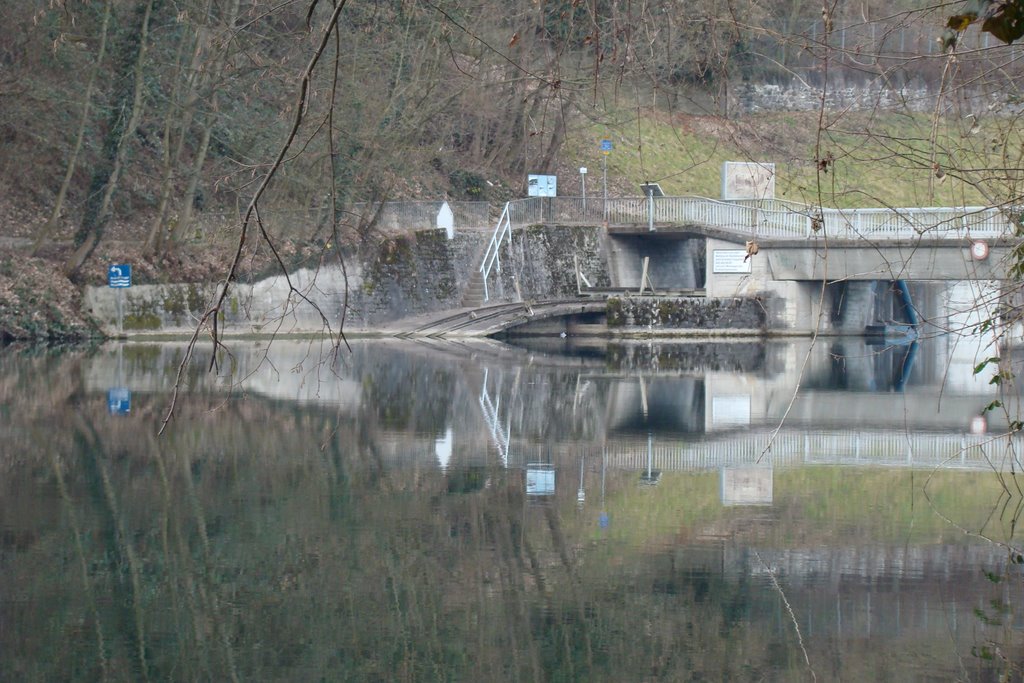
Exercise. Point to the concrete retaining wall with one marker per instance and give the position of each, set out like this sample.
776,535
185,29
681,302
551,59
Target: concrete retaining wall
424,274
416,274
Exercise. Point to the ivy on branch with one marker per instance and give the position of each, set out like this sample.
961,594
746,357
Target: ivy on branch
1003,19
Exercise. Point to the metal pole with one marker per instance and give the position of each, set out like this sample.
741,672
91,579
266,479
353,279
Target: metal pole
583,189
604,166
650,455
581,495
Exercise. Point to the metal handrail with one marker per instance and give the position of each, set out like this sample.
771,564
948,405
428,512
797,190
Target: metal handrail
491,258
490,409
897,449
876,449
770,218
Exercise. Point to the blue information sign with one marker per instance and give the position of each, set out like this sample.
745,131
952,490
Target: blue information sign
606,145
119,401
119,275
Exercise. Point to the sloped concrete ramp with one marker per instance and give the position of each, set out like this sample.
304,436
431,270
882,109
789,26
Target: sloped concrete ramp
487,320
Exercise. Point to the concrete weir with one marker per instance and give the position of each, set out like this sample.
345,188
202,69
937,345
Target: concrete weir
580,279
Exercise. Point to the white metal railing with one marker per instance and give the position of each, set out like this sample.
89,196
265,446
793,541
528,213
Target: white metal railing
404,216
499,435
876,449
492,258
769,218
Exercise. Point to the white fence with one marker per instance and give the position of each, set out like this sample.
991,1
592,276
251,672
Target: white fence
769,219
868,449
765,218
421,215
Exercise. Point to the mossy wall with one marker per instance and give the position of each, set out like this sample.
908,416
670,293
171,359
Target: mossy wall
413,274
542,260
664,314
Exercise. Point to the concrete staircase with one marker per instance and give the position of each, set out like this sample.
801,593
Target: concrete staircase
473,294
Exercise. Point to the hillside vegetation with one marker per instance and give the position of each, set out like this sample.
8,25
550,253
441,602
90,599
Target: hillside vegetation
131,128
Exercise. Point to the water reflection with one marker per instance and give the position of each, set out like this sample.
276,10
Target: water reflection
478,511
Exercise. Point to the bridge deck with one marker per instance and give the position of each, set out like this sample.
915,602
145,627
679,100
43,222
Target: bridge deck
768,219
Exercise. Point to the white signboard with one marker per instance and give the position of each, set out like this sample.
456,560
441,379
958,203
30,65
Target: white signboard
541,185
730,411
746,486
730,261
540,482
748,180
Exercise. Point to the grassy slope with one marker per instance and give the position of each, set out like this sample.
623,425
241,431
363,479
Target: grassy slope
810,504
887,167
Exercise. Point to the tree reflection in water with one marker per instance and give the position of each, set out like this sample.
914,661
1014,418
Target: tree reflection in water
263,539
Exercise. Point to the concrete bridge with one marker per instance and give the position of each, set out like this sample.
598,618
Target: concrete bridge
825,270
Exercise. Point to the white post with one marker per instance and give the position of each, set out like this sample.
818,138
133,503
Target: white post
583,189
604,164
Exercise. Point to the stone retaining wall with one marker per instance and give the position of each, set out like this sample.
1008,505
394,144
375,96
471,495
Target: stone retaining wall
664,315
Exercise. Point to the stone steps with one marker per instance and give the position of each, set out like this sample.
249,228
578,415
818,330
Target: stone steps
473,294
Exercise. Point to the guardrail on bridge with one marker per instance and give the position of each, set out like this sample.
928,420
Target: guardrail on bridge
771,218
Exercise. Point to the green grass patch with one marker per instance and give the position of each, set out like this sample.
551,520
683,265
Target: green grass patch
810,506
858,160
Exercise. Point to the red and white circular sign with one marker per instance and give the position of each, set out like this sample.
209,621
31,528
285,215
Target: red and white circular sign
979,425
979,250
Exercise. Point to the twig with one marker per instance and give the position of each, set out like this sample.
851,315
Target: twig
792,616
211,315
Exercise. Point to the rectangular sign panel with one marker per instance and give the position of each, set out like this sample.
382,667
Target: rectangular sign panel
540,482
730,261
746,485
730,411
119,275
541,185
119,401
748,180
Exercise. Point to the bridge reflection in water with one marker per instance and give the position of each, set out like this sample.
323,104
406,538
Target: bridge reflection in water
462,425
913,406
918,407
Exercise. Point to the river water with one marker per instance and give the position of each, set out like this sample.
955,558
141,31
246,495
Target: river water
551,511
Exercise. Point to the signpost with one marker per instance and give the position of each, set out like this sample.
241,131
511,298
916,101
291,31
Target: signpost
748,180
651,190
119,277
730,261
606,149
583,188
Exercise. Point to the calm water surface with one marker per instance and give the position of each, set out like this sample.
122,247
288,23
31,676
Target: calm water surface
554,511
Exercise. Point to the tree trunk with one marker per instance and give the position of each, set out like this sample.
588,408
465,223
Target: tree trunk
125,112
51,224
154,240
215,70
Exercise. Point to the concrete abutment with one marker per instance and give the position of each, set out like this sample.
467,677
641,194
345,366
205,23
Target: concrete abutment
702,284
